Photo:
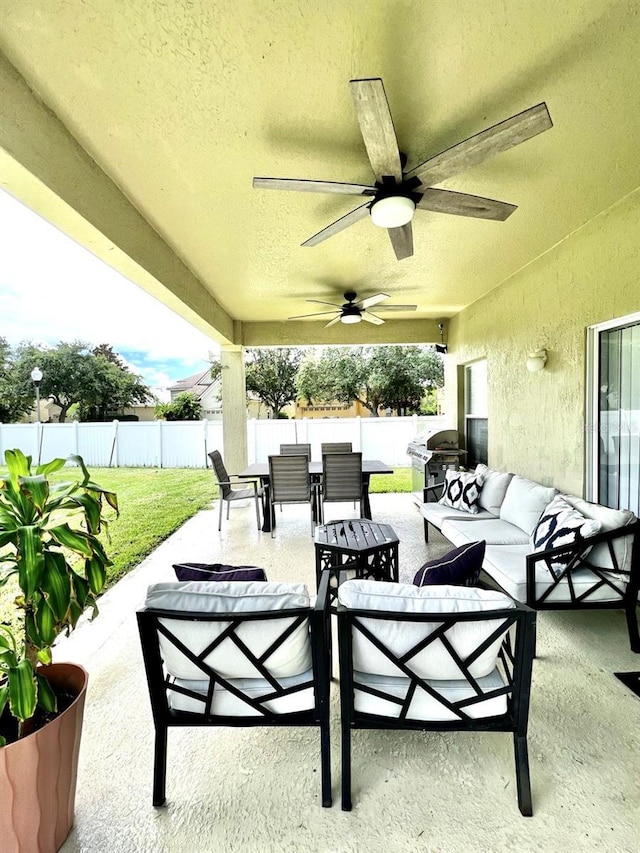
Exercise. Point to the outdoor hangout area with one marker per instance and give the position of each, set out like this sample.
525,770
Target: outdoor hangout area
262,787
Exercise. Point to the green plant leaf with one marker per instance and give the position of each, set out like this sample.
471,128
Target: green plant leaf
92,510
46,696
4,697
75,540
44,655
22,690
37,490
46,623
31,559
96,575
56,584
18,464
82,591
73,457
50,467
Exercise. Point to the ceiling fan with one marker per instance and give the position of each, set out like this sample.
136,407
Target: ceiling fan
354,310
396,193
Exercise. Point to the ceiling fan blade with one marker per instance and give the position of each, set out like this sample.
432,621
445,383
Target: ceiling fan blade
312,186
461,204
476,149
339,225
317,314
398,308
368,301
371,318
333,322
376,126
322,302
402,241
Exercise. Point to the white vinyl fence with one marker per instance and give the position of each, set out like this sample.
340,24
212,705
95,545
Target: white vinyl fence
185,444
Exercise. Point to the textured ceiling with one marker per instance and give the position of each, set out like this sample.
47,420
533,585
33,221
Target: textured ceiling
182,102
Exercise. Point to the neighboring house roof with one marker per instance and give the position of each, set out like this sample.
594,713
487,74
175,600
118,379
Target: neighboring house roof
198,385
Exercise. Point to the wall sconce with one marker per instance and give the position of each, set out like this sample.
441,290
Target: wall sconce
537,360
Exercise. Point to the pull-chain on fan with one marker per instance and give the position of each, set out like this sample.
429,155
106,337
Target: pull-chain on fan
396,193
354,310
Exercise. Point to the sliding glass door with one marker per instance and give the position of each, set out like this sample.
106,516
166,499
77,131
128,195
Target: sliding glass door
613,439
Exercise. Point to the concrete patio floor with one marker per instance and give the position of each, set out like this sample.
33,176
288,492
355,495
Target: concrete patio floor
259,789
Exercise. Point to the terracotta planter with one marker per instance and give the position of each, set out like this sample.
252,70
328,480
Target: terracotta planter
38,774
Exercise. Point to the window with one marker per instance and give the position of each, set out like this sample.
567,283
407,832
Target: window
476,422
613,413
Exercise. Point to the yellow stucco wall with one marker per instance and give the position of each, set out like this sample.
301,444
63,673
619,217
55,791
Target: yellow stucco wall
537,420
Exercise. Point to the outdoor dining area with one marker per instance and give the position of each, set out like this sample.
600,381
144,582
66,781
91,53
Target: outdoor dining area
263,787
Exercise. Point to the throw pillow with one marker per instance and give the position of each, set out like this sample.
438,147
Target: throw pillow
459,567
461,490
217,572
561,524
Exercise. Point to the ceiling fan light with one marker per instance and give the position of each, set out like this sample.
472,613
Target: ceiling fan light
350,318
392,211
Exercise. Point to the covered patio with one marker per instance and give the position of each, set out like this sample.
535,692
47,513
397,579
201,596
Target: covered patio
259,789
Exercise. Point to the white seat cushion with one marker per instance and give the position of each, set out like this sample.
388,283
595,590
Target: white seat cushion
234,597
524,503
434,661
437,513
507,565
494,531
225,703
423,705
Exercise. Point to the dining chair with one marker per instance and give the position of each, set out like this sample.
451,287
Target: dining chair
336,447
290,483
250,491
341,480
295,449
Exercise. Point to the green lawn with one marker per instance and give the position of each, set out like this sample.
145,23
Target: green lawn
154,502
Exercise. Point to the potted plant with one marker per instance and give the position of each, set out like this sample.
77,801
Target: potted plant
49,542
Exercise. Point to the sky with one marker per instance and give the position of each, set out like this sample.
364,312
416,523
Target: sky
52,289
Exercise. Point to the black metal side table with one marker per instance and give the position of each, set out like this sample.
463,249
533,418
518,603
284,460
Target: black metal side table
368,548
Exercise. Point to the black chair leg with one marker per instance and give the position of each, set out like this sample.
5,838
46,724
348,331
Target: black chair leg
631,611
160,767
426,529
346,767
522,775
325,757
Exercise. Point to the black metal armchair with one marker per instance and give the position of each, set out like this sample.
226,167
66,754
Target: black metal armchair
235,660
459,660
250,491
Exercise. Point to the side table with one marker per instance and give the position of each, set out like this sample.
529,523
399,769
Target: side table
369,548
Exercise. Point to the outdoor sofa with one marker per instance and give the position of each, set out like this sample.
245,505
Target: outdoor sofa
541,545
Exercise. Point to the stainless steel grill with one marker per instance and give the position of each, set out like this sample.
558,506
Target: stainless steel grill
431,455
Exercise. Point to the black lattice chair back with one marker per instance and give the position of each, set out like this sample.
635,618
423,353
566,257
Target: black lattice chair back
435,671
236,667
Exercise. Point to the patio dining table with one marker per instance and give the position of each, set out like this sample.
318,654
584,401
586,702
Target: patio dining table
260,470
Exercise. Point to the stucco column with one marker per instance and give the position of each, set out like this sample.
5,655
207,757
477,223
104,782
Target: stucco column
234,408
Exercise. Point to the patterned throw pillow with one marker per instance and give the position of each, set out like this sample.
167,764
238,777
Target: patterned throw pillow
462,490
217,572
459,567
561,524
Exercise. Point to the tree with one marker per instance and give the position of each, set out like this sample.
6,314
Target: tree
389,377
271,374
72,374
16,394
185,407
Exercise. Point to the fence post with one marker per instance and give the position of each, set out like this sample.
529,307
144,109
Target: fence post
204,426
114,445
358,442
160,442
76,439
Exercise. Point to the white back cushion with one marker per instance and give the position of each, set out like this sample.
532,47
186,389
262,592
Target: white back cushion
433,662
524,503
233,597
610,519
494,487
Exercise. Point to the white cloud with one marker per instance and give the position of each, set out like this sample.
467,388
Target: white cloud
52,289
